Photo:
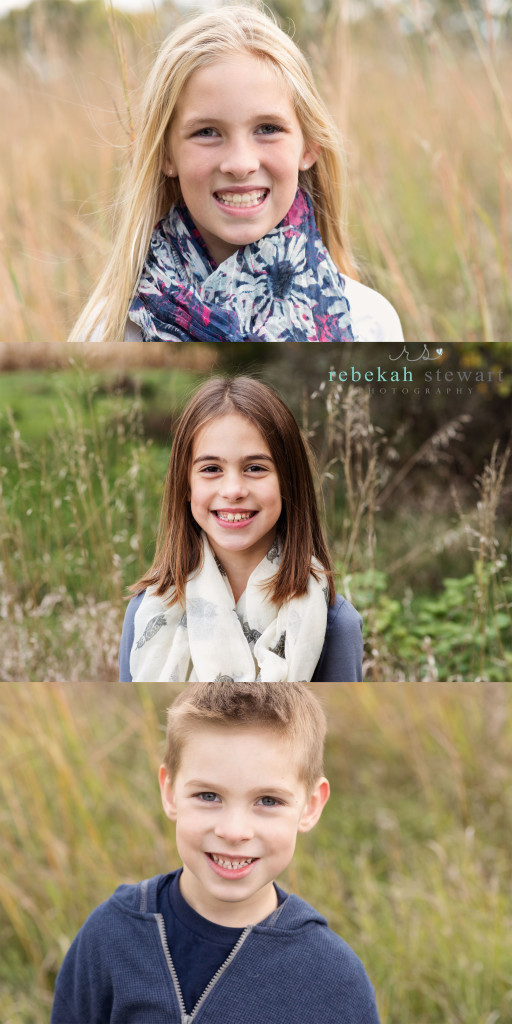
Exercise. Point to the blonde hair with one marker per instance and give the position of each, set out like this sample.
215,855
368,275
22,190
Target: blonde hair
147,193
289,709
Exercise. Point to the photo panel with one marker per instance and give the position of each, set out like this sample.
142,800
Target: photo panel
409,862
410,452
417,93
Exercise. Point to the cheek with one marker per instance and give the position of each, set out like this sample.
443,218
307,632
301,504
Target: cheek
276,499
188,830
282,837
193,175
196,495
288,169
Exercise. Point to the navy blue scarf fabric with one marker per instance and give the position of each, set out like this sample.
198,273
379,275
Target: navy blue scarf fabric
284,287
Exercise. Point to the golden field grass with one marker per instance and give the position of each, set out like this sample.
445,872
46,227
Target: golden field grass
428,131
410,862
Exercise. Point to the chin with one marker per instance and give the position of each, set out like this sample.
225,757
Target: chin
248,238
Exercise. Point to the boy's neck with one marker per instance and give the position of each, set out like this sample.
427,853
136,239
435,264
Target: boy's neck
237,914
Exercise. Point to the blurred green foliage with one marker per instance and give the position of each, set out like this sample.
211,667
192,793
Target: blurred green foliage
454,634
84,457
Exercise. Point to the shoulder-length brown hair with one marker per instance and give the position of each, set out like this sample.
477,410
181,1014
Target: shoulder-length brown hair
179,546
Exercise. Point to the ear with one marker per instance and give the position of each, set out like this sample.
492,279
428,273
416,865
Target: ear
309,156
167,793
314,806
168,166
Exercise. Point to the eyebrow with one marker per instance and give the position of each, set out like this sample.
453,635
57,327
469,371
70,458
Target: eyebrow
195,122
210,787
245,458
200,784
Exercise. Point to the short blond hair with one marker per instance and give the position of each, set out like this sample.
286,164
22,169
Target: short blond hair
289,709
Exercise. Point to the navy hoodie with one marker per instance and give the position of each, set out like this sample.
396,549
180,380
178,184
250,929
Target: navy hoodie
289,969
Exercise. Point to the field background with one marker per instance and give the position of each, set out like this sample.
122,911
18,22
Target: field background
421,92
417,493
410,862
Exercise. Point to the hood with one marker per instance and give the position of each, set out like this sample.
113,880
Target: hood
291,914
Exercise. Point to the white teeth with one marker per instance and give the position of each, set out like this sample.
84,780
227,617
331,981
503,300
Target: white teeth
241,198
234,516
232,864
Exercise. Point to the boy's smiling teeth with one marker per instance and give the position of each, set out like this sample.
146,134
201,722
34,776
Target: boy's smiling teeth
234,516
241,198
233,864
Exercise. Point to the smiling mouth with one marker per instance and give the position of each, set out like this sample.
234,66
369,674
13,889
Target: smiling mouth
234,517
241,199
231,864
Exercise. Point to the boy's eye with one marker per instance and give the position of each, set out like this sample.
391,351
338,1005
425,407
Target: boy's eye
269,801
207,798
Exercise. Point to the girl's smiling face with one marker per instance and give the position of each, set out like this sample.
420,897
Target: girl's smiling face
235,495
236,145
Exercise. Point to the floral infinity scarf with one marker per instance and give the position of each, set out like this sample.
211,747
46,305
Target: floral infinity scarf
285,287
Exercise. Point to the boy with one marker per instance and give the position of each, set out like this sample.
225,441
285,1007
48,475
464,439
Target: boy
217,942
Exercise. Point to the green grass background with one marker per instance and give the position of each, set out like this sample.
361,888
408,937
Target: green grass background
84,455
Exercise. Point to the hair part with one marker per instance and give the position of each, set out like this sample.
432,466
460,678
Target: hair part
290,710
179,543
147,193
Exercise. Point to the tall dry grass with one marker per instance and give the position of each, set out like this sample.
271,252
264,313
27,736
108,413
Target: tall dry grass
428,129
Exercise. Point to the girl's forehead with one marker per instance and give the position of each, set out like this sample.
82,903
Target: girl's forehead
239,61
228,429
248,72
228,432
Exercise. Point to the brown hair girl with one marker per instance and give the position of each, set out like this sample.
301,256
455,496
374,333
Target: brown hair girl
179,544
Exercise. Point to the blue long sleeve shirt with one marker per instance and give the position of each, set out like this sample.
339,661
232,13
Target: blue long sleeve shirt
341,660
288,969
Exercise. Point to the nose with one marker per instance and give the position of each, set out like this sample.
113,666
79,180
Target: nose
233,827
239,158
234,487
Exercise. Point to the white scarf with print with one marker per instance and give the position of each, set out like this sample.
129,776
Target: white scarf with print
218,639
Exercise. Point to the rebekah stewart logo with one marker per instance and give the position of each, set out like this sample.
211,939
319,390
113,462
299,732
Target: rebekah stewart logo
429,382
424,355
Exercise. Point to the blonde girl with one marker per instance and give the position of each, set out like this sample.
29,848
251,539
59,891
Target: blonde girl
230,216
241,586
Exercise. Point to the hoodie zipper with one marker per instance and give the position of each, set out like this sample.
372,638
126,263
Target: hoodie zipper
187,1018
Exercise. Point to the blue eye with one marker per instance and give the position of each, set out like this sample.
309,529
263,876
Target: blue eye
207,798
206,133
269,129
269,801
